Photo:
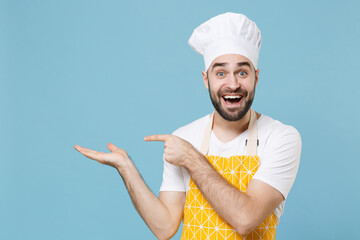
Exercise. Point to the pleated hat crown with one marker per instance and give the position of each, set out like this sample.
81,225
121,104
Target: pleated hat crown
228,33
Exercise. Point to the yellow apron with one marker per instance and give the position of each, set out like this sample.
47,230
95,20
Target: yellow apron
200,219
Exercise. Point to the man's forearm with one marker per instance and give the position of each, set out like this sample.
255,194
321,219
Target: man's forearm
155,214
231,204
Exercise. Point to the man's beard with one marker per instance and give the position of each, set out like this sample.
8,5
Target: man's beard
238,113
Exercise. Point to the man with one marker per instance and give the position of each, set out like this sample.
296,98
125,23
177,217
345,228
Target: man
227,174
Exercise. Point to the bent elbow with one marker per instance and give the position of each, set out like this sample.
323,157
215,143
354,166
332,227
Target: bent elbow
164,235
165,232
243,230
245,225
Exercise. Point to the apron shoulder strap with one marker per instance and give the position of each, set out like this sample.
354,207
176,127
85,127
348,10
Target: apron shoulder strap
251,142
206,137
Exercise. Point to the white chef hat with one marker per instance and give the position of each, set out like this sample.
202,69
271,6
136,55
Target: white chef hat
228,33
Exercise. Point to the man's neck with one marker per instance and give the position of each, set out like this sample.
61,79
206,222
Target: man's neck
226,130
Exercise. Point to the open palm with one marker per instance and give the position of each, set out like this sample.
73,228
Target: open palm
115,158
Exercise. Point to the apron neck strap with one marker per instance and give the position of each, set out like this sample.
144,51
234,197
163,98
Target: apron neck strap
251,142
252,138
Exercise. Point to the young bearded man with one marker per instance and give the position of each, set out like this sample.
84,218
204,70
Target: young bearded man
227,174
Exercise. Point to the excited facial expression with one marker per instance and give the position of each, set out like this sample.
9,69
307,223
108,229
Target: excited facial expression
231,80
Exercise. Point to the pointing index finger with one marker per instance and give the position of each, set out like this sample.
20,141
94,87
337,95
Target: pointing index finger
160,137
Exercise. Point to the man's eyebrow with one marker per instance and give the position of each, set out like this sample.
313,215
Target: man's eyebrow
240,64
218,65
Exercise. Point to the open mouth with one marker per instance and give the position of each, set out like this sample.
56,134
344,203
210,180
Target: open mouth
232,99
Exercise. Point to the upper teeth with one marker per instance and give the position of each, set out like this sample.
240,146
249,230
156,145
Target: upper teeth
231,97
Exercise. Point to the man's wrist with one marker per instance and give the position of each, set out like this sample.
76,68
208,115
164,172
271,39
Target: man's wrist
196,161
125,166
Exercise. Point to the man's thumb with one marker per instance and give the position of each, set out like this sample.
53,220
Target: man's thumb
114,148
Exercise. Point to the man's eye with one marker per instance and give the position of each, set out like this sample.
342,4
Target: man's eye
220,74
242,73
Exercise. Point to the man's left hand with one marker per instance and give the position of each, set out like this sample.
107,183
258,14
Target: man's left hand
177,151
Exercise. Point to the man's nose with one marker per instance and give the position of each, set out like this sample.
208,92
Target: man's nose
233,82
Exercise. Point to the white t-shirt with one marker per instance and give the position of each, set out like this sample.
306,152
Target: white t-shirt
279,153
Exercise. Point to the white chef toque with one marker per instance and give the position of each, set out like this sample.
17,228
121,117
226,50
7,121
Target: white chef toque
228,33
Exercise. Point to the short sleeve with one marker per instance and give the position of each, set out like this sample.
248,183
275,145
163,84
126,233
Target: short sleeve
172,178
280,160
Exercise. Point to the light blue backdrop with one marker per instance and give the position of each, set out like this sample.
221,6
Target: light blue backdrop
93,72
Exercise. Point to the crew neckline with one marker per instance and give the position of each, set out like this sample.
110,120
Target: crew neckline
234,140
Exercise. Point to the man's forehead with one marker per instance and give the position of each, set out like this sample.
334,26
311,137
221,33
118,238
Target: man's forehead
230,60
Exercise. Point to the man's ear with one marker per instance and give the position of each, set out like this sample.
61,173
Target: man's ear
205,78
257,76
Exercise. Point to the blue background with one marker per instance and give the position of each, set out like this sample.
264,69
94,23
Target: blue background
93,72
